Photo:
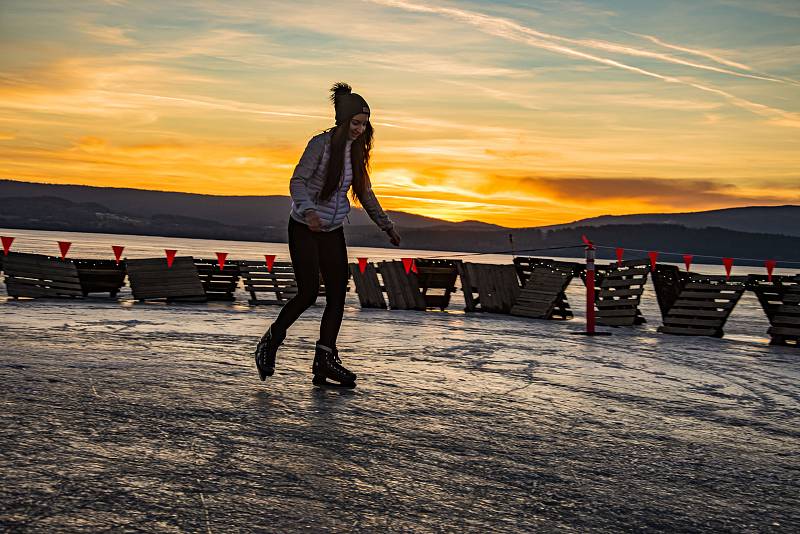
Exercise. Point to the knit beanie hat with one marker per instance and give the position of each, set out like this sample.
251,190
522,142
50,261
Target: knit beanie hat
346,102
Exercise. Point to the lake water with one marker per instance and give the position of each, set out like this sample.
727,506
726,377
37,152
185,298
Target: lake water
91,245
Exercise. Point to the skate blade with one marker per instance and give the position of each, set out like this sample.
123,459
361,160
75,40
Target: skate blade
323,383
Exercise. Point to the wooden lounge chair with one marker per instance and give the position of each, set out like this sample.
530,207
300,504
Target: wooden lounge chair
402,289
368,287
406,290
218,284
151,279
438,275
496,286
100,276
36,275
279,282
543,288
780,300
694,304
618,292
258,281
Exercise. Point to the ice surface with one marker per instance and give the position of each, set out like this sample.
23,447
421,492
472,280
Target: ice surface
131,416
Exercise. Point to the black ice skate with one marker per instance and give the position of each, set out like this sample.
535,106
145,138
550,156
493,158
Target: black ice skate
265,353
327,365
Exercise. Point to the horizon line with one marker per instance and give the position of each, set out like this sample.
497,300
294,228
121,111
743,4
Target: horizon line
574,221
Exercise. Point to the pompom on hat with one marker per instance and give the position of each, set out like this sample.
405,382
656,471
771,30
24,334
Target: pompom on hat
347,103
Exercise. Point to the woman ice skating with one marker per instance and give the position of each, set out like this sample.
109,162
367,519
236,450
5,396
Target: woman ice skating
333,162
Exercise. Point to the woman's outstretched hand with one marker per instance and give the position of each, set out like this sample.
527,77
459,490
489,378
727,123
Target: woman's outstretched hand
313,221
394,237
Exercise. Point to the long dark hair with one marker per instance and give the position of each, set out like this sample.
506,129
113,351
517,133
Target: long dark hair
359,156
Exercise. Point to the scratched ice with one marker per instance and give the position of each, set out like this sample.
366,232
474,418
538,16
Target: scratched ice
129,416
124,416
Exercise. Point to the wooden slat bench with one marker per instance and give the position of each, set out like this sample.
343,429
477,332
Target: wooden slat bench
100,276
368,287
618,292
780,300
496,285
258,280
693,304
543,288
402,289
36,275
280,282
524,266
440,276
219,284
151,279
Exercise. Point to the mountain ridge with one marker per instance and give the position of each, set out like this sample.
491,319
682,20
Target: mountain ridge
205,216
272,210
745,218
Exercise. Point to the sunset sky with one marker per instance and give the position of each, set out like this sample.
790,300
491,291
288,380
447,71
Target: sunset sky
516,113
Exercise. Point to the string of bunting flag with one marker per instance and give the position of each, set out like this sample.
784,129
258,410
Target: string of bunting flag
727,261
118,250
409,264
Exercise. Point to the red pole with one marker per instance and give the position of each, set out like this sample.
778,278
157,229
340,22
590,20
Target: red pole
590,289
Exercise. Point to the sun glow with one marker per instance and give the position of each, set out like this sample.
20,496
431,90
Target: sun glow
524,128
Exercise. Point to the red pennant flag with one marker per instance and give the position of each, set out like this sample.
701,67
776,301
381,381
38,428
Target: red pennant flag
407,263
728,265
362,264
770,265
620,252
6,244
270,260
414,267
221,260
64,247
117,252
170,256
687,260
653,255
586,241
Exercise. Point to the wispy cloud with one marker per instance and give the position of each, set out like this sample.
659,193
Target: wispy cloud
504,25
436,64
778,8
689,194
666,58
693,51
110,35
720,60
511,30
517,99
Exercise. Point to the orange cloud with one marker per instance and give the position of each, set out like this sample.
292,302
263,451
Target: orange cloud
700,194
169,166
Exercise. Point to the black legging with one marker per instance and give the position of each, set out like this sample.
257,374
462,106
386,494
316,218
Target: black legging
312,253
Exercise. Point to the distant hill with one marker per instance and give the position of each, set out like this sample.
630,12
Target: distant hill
261,211
247,218
765,219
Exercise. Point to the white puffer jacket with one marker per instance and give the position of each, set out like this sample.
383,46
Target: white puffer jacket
309,178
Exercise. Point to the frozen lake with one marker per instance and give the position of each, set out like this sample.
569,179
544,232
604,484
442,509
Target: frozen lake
122,416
